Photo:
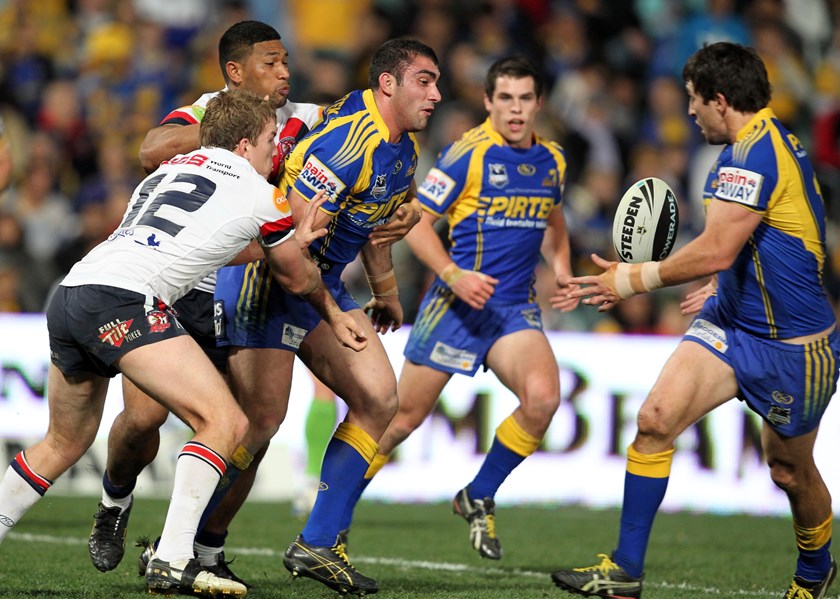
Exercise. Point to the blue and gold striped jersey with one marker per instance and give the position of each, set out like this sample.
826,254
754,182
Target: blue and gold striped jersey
774,288
497,200
367,177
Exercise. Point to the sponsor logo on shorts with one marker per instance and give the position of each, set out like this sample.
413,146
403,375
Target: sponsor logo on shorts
437,186
293,336
739,185
498,176
117,331
158,321
782,398
709,333
779,415
452,357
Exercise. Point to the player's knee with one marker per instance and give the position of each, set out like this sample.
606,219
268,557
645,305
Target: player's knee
783,475
653,422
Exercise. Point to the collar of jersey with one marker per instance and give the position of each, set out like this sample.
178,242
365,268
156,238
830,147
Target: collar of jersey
370,104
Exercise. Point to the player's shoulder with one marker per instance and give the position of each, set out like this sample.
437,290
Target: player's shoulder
309,114
461,150
190,114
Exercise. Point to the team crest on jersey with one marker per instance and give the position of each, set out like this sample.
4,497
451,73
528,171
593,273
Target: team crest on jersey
317,177
158,321
398,166
498,176
437,186
526,170
285,145
380,188
739,185
117,331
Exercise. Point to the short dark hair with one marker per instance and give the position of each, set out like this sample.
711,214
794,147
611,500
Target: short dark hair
394,57
237,43
232,116
733,70
517,67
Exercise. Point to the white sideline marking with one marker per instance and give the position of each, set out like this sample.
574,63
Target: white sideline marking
429,565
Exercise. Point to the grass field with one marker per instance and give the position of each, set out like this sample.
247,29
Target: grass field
418,551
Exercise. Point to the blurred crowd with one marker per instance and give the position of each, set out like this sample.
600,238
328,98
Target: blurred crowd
82,81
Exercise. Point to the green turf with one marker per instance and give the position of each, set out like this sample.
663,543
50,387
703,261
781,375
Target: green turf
419,551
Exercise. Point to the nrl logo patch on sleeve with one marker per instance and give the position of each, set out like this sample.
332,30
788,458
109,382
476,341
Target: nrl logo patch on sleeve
437,186
739,185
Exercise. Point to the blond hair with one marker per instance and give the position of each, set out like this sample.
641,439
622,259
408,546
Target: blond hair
232,116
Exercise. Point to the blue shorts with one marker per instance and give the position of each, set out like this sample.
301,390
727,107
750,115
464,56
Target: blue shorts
253,310
92,326
789,386
450,336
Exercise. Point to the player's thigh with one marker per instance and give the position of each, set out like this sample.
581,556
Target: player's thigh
418,389
76,403
178,374
356,377
261,378
693,382
524,362
140,410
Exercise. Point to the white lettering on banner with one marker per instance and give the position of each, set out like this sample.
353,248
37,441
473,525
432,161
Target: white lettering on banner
437,186
604,379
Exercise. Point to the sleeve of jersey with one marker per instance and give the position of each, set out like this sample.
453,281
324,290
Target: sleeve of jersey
185,115
752,177
328,164
275,216
444,182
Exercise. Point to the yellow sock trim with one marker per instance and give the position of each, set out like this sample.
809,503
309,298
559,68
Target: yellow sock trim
811,539
651,465
241,458
379,460
516,438
358,439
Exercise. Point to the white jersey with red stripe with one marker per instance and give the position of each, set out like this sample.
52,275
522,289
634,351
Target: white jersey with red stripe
188,218
294,121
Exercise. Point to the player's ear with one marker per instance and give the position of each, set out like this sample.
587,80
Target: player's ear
243,148
387,83
234,72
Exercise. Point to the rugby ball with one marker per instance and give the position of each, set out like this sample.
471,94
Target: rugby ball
646,222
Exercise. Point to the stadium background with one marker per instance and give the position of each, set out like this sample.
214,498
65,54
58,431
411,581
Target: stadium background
82,81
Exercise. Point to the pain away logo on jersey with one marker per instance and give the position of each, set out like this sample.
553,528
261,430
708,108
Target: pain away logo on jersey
317,176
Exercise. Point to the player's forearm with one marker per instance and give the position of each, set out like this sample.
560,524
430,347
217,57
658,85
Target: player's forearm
427,247
166,141
379,268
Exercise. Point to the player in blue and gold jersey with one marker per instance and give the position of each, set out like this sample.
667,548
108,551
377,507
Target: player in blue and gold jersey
364,153
500,189
767,335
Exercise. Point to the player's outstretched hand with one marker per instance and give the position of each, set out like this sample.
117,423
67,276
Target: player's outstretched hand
303,229
348,332
560,300
397,227
385,312
599,290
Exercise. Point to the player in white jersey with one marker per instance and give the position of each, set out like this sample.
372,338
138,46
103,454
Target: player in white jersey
252,58
111,315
